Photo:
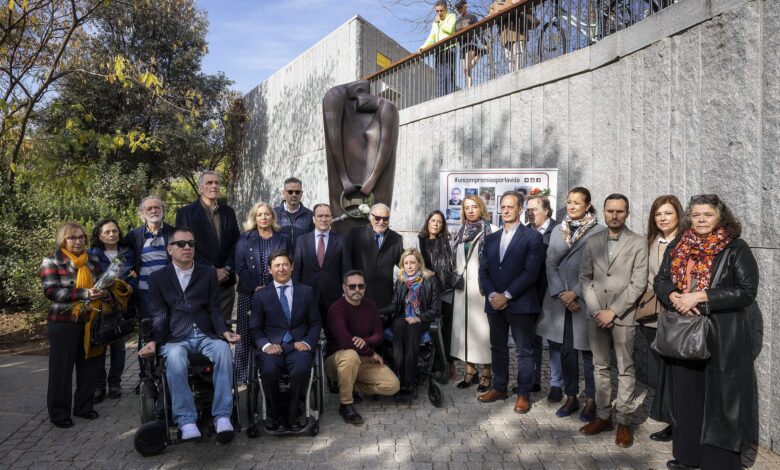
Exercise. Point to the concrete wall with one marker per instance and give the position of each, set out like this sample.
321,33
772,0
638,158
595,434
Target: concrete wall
284,134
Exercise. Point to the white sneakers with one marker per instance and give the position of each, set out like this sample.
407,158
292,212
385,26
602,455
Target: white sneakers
189,431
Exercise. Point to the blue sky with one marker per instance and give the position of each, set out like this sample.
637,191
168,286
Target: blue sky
249,40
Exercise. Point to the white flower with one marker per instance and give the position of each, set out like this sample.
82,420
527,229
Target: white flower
364,208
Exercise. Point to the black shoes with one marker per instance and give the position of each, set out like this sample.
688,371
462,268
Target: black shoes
63,423
295,425
356,398
91,414
664,435
114,393
535,388
469,379
675,465
555,395
588,412
100,396
350,415
277,425
571,405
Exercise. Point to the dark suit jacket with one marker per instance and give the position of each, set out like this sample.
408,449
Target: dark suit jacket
247,263
517,273
377,265
207,250
541,281
268,323
170,308
325,281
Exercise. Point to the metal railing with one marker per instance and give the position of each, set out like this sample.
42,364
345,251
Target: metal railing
528,33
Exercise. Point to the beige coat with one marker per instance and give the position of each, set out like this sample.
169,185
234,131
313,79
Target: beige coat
615,285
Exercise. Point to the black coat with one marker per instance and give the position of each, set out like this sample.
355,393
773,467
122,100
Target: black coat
729,373
377,265
325,281
207,249
430,301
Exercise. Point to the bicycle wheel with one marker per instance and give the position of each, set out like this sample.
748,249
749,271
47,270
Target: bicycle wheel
552,41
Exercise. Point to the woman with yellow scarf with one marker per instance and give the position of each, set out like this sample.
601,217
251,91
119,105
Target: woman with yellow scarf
67,278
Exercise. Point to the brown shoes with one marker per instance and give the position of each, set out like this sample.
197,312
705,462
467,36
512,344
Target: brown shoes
522,405
492,395
596,426
624,436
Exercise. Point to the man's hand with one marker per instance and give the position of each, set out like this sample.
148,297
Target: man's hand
412,320
148,350
377,358
301,346
359,343
498,301
231,337
273,349
222,275
604,318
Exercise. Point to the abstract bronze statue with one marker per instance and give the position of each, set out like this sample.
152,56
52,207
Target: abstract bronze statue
361,135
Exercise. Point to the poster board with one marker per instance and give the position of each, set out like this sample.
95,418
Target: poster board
489,185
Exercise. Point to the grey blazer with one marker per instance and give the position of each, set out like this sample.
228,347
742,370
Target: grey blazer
563,273
617,285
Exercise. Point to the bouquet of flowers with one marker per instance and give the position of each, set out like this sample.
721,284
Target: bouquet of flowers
112,273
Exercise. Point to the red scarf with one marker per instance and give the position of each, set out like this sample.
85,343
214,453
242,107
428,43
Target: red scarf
700,252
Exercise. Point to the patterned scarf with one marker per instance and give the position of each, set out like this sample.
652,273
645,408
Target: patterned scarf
412,300
573,230
700,252
83,276
469,231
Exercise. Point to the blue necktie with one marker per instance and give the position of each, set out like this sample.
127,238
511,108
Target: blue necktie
286,309
378,240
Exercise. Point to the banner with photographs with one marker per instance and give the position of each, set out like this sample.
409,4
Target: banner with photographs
489,185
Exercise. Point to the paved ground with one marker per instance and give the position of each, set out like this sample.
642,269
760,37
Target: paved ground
464,434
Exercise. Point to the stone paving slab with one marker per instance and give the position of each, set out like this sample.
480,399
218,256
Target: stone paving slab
464,434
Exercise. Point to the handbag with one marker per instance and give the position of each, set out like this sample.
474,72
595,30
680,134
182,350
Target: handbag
106,329
647,307
682,337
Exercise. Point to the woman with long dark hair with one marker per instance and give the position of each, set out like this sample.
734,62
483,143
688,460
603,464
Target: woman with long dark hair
709,270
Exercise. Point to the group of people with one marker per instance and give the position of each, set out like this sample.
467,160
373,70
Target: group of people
580,286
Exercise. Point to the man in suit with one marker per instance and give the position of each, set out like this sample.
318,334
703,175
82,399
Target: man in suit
184,306
319,260
613,275
285,326
375,250
216,229
294,218
508,271
539,216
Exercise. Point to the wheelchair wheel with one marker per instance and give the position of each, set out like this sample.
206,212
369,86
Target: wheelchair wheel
148,395
435,394
151,438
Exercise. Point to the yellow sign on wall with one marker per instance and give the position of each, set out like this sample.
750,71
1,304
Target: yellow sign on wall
382,61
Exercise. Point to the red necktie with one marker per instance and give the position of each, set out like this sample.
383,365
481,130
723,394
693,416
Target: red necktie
321,250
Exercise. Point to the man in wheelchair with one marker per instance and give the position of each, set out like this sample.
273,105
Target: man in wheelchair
184,306
285,325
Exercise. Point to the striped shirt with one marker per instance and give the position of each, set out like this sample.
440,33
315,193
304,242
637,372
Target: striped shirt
154,256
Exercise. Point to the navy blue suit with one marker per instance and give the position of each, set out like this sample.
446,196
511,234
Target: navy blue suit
325,280
268,325
247,262
515,274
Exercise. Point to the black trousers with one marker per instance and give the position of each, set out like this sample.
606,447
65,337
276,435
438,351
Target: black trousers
687,448
446,327
570,368
406,348
298,366
653,358
523,334
66,350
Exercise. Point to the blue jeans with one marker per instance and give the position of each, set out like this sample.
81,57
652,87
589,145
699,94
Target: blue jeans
556,376
176,363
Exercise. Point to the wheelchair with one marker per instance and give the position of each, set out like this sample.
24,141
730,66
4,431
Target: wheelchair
158,429
313,400
431,362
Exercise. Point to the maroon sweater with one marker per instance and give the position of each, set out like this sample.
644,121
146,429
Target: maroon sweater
345,321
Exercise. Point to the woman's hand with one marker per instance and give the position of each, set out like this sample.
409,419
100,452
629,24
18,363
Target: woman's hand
566,297
685,304
573,307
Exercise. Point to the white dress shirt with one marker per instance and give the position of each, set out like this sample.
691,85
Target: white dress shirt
317,234
288,293
543,227
184,276
506,239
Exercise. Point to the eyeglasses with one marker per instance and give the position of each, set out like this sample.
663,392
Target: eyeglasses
381,219
356,286
293,192
73,238
183,243
323,216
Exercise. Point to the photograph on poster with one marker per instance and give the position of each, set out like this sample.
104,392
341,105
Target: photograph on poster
472,191
487,193
455,197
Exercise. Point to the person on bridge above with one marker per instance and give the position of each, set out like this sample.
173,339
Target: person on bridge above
471,45
293,217
444,23
184,305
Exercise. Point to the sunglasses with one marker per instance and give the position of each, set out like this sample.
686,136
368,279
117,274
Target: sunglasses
294,192
356,286
381,219
183,243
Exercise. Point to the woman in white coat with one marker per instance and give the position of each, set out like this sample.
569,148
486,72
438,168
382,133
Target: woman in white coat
470,329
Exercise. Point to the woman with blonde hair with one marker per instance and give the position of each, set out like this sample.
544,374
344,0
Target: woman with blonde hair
415,303
261,238
470,330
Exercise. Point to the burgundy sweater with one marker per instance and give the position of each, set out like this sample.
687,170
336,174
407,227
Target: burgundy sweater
345,321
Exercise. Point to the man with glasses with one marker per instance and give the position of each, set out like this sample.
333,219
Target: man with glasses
319,260
292,216
184,304
375,250
216,227
354,334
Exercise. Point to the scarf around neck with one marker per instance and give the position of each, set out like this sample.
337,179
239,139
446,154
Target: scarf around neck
469,231
84,278
692,258
412,300
573,230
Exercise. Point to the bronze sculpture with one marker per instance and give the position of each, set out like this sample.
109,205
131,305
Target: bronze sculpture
361,136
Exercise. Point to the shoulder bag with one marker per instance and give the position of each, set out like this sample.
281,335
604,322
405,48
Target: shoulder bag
647,307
